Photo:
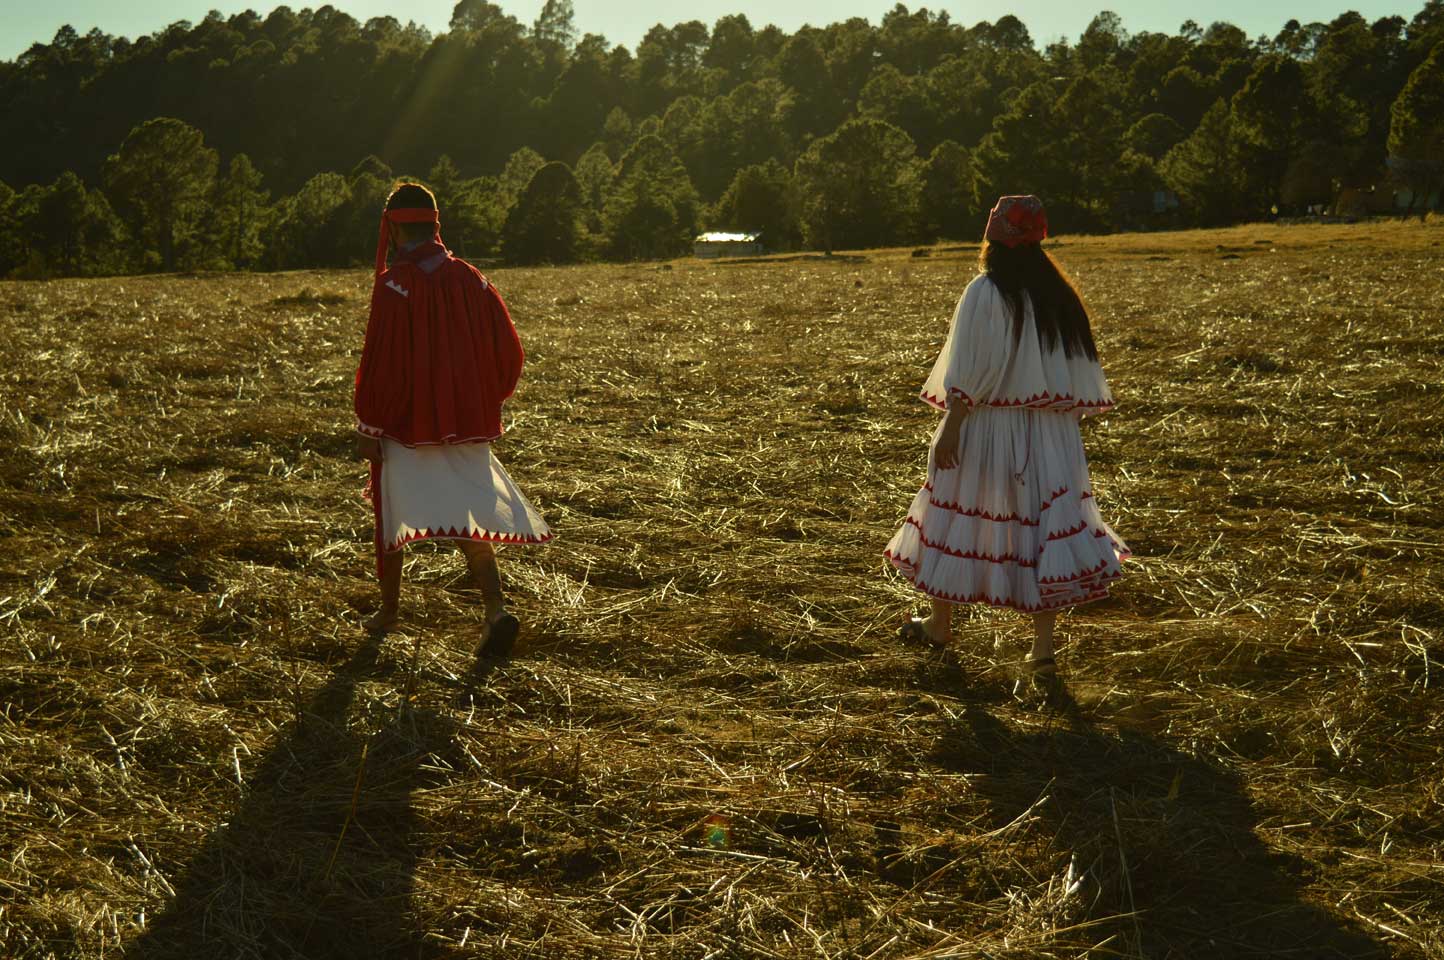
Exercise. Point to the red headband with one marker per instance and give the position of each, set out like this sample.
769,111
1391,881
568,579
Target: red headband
401,215
1016,220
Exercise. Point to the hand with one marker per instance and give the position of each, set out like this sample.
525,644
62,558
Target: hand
945,450
368,448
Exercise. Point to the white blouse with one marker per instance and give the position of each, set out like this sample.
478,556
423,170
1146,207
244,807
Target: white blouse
981,364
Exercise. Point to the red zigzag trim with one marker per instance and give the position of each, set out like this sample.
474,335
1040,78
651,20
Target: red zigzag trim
1065,601
944,548
482,536
1059,402
1084,575
982,514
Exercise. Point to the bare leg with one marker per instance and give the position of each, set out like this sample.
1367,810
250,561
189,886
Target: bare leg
501,627
485,575
386,617
1043,635
940,625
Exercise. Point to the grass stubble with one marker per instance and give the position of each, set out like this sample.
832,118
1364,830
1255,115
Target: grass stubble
710,743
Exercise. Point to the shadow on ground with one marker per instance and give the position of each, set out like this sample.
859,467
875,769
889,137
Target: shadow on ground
318,861
1165,842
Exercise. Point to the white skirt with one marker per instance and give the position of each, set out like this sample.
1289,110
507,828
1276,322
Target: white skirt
1015,524
451,491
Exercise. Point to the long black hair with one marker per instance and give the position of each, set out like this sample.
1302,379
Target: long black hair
1058,310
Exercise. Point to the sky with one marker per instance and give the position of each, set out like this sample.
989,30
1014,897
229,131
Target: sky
23,22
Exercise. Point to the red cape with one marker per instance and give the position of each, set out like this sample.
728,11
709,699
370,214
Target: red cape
441,353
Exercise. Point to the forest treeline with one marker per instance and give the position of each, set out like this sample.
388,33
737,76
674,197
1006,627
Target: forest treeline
270,142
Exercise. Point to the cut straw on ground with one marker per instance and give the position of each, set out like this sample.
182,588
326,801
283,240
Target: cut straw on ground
711,742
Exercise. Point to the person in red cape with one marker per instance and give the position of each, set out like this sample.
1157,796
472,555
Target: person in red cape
441,357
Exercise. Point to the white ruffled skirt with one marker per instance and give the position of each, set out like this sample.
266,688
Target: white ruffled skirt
1015,524
451,491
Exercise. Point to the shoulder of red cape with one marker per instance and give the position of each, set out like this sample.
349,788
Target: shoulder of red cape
403,277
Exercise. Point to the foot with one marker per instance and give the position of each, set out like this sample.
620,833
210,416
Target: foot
919,629
1039,677
500,638
382,620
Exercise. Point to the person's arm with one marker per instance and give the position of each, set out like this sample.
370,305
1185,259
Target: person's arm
507,354
945,453
379,382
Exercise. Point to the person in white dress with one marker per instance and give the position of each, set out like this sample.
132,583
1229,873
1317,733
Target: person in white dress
1007,516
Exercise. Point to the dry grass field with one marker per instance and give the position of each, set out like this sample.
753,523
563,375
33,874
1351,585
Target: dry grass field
710,743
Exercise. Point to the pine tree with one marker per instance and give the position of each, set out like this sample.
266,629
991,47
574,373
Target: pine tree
1025,153
761,199
556,24
304,230
71,227
652,210
595,174
859,186
160,180
1153,135
1276,117
12,246
545,224
239,212
1416,134
471,221
948,207
519,169
1204,169
443,177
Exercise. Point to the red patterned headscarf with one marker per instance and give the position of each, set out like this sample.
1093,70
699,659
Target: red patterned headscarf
401,215
1016,220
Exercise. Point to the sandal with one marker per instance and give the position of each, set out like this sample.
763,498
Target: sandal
1041,667
914,631
1041,677
501,635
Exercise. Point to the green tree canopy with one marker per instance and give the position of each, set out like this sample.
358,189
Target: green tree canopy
1416,135
519,169
472,219
1276,117
307,224
1086,121
1153,135
160,180
545,224
13,247
443,179
1205,170
762,199
239,212
1031,149
949,208
652,209
859,186
556,24
595,173
73,228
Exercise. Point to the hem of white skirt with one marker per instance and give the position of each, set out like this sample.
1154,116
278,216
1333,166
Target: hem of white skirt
1056,402
1068,600
483,536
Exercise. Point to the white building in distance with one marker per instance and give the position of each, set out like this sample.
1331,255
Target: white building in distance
711,245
